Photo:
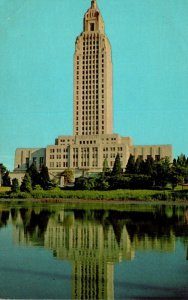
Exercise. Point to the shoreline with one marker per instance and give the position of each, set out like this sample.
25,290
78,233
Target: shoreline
109,197
74,201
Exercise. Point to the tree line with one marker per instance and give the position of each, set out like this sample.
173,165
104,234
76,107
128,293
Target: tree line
138,174
35,179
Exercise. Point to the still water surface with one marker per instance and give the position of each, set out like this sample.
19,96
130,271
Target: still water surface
58,252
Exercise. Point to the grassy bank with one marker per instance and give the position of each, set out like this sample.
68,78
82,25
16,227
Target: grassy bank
141,195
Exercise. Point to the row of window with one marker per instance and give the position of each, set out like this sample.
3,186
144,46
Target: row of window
95,82
86,92
85,118
58,165
86,98
90,42
95,77
94,47
113,149
89,132
59,150
92,63
59,156
89,107
91,117
89,102
112,155
90,112
88,142
86,72
89,77
66,140
75,164
88,58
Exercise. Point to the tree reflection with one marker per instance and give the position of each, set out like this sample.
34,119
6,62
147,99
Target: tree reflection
4,216
94,240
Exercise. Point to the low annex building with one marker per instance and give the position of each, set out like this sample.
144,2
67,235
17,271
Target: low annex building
93,139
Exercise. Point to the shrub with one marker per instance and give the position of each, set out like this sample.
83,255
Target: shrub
141,182
15,186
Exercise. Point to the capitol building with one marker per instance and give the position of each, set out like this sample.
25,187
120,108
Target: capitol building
93,140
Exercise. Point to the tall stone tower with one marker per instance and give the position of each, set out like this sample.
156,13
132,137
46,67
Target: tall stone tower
92,77
93,140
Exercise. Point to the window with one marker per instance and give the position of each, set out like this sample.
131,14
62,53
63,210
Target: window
27,162
92,26
41,161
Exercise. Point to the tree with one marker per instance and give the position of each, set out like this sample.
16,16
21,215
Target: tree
182,161
68,176
140,181
130,168
101,184
174,178
117,170
4,176
149,166
26,185
181,168
44,178
15,186
34,175
6,179
83,183
161,174
138,165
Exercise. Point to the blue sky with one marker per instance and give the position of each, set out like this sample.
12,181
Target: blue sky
149,40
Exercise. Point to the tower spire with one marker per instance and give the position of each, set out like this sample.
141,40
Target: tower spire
93,4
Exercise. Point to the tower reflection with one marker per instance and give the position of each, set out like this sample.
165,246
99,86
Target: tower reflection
92,249
95,240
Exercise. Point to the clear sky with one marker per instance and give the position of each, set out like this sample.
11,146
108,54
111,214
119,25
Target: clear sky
149,40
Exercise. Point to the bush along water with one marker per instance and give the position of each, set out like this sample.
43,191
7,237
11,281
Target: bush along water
141,179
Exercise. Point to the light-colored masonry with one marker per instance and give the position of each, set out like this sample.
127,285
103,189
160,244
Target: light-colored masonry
93,139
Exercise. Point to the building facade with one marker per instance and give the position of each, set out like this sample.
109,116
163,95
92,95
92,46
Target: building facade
93,139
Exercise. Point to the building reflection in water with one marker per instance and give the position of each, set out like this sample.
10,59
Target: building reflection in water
93,252
94,241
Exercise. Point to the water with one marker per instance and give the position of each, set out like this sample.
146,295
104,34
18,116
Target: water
123,252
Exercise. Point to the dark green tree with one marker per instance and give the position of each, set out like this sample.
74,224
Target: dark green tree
34,175
45,178
148,167
6,179
117,169
180,169
15,186
101,183
182,160
138,165
4,176
161,174
130,168
26,185
84,183
3,169
174,178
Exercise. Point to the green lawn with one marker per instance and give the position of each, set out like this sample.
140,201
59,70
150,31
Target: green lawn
140,195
